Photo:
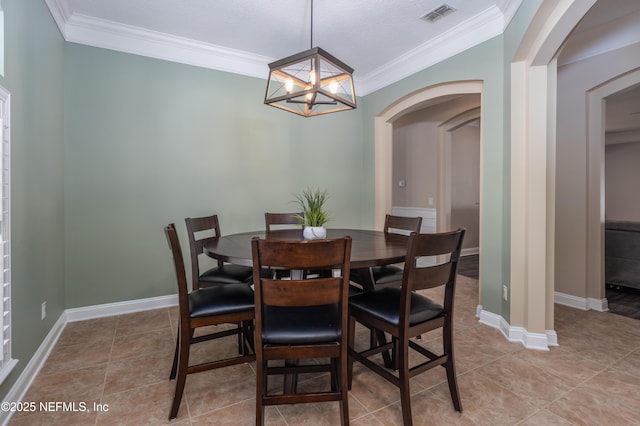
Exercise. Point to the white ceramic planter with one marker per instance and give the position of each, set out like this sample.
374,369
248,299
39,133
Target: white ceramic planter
314,232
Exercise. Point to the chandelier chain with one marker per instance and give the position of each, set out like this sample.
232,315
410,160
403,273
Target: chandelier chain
311,24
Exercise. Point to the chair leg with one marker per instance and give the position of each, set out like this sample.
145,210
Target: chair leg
403,375
450,366
261,389
344,402
351,346
240,338
174,366
394,354
290,380
453,385
386,357
335,374
247,337
183,364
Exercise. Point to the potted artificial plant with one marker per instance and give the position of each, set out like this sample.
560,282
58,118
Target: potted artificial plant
311,202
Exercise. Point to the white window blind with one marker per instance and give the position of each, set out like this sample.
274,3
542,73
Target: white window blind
6,362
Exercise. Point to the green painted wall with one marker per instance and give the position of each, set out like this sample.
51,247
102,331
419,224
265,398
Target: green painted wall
34,52
483,62
110,147
150,142
489,62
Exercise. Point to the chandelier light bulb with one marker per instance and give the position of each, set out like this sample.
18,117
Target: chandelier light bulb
333,87
288,85
312,76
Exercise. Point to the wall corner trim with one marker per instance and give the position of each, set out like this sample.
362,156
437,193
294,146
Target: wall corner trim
536,341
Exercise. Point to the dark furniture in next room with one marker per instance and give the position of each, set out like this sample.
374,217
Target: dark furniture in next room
622,253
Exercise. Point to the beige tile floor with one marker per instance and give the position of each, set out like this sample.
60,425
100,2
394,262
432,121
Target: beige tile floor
122,364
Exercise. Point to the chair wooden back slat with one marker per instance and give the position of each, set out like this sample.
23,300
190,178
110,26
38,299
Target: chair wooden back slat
197,225
415,277
271,219
315,254
321,291
393,224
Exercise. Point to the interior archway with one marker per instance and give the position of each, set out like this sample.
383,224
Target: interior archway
384,140
384,136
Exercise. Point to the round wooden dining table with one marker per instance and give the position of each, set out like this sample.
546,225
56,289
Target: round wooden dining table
368,248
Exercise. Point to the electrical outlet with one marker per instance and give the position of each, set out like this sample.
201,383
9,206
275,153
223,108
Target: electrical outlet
505,292
43,310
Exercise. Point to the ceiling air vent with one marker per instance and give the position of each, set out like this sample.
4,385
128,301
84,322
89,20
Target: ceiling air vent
437,13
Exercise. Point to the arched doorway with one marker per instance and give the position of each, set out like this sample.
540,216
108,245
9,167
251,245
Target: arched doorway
384,139
384,136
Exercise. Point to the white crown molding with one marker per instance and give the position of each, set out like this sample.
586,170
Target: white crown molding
472,32
94,32
509,9
60,11
124,38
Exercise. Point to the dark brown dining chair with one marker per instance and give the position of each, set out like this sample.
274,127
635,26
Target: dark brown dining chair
203,229
301,319
387,275
405,313
277,219
227,304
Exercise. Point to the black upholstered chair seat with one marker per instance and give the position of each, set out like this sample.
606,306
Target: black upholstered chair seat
301,325
381,274
383,304
220,300
387,273
228,274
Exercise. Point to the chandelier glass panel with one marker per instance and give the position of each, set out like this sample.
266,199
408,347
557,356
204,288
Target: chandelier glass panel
310,83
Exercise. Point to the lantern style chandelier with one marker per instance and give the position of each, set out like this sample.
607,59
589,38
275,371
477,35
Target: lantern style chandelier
310,83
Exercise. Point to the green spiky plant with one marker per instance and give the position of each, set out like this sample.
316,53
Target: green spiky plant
311,202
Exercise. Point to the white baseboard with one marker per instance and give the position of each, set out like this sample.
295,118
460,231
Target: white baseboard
582,303
28,375
537,341
470,251
20,387
120,308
